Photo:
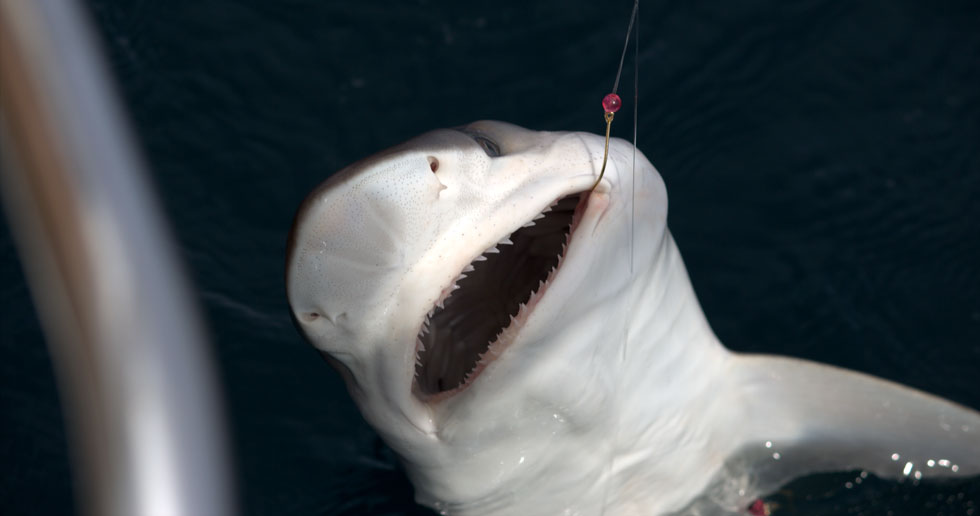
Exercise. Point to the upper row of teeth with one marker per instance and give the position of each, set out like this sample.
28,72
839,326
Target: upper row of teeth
420,346
503,241
493,249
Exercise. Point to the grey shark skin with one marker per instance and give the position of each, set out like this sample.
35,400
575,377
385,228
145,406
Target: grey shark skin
607,393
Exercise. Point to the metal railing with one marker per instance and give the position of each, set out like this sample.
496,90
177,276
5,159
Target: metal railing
145,422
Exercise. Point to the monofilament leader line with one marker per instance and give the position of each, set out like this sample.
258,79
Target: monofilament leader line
611,102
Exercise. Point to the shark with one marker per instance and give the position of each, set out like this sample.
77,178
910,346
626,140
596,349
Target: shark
528,344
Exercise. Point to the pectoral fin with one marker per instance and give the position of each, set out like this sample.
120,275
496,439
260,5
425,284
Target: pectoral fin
802,417
791,417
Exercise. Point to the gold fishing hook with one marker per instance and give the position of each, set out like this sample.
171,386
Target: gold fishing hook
605,152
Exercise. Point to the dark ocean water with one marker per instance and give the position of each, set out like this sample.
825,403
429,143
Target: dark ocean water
822,160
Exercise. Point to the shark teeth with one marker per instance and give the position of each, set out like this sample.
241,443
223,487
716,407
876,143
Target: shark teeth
463,332
419,348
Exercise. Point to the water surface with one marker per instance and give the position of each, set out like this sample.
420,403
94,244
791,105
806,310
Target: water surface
822,160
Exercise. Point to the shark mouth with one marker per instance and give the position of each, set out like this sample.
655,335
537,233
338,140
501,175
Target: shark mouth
483,310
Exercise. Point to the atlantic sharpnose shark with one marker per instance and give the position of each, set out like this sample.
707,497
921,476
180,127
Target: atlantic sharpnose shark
529,346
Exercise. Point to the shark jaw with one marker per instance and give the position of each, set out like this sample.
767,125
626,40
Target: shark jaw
481,313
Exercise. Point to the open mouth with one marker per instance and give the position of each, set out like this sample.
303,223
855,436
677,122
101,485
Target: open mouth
491,299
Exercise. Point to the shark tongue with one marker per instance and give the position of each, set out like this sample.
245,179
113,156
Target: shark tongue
489,294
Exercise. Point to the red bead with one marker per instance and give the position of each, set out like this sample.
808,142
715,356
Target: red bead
758,508
611,103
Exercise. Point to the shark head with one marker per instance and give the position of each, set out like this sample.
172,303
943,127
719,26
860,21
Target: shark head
529,344
454,279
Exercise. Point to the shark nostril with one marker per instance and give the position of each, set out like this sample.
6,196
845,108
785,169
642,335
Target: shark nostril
312,316
433,163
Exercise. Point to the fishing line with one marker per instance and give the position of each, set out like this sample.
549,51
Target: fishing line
626,43
611,102
636,116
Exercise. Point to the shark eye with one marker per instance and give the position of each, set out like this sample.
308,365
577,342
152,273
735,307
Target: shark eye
488,145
